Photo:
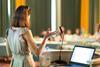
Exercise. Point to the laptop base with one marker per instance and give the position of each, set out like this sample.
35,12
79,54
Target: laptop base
70,65
59,62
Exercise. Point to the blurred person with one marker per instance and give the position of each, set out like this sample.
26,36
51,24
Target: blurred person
20,39
68,35
37,38
77,35
97,34
90,36
45,32
77,31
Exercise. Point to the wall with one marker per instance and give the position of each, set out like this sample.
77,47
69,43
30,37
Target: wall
40,16
71,14
3,17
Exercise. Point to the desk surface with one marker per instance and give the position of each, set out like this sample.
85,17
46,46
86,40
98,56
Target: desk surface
69,45
54,54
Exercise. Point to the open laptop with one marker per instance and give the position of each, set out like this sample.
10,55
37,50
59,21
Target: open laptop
81,56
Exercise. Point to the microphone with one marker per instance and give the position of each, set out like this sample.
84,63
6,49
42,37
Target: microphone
60,61
61,32
61,29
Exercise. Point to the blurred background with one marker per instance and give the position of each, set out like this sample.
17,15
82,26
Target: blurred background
71,14
79,19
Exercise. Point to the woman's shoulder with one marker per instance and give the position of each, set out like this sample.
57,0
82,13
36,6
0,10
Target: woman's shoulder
24,30
19,30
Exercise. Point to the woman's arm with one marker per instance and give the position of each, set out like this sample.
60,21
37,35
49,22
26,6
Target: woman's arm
29,38
30,41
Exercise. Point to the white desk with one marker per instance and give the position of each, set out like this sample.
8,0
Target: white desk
54,55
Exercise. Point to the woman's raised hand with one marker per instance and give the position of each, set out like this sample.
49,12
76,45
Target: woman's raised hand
52,33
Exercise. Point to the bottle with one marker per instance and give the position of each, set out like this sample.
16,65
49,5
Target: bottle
45,60
91,64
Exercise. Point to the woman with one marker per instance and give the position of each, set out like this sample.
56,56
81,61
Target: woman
20,39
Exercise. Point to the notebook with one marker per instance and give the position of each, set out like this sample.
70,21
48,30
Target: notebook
81,56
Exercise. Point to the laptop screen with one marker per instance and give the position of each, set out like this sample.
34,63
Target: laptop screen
82,55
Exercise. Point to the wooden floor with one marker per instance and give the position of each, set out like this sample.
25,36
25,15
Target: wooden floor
4,63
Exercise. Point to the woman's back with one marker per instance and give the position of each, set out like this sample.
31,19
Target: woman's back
16,41
19,48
